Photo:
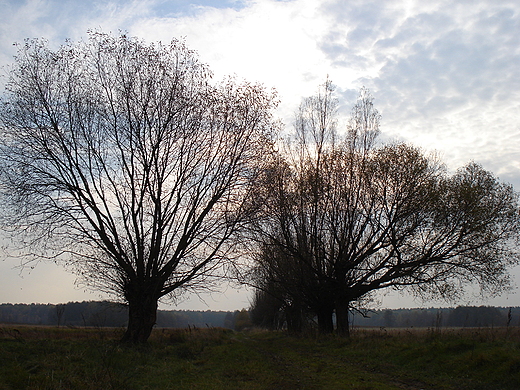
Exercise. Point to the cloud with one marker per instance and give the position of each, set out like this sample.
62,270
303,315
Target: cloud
271,42
444,75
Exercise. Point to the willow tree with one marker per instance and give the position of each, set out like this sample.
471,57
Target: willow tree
121,160
346,216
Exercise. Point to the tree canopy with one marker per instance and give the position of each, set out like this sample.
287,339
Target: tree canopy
346,216
123,160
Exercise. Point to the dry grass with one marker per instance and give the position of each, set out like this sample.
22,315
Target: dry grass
89,358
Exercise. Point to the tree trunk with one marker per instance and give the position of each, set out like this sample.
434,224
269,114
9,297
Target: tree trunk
342,319
325,324
294,317
142,315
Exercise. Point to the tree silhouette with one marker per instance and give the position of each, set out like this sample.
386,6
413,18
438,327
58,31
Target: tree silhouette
345,217
121,160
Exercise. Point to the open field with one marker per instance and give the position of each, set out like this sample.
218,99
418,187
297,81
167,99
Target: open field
62,358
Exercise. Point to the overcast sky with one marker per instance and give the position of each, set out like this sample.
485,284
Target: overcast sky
445,76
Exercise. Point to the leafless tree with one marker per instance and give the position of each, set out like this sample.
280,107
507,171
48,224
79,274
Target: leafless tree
346,217
60,310
123,161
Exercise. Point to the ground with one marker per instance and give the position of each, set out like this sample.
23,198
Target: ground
89,358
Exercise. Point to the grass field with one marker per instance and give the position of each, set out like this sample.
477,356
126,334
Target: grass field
62,358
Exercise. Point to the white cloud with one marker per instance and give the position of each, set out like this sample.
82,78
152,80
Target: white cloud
445,75
271,42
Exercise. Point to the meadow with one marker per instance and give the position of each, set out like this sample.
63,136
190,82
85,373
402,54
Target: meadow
213,358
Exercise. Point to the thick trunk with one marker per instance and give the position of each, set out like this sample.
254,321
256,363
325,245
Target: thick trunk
294,318
142,315
342,319
325,324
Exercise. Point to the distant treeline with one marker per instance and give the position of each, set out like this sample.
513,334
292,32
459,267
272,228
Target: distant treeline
106,314
109,314
462,316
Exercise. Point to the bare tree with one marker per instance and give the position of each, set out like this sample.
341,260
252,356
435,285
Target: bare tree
346,217
121,160
60,310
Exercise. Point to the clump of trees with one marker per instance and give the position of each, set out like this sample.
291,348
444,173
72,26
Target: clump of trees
123,161
345,216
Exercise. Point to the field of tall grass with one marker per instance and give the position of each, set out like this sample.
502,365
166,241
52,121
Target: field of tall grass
447,358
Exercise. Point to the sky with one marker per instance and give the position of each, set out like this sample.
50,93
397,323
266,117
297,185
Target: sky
445,76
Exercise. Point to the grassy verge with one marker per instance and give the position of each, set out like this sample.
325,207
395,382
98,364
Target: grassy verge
51,358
